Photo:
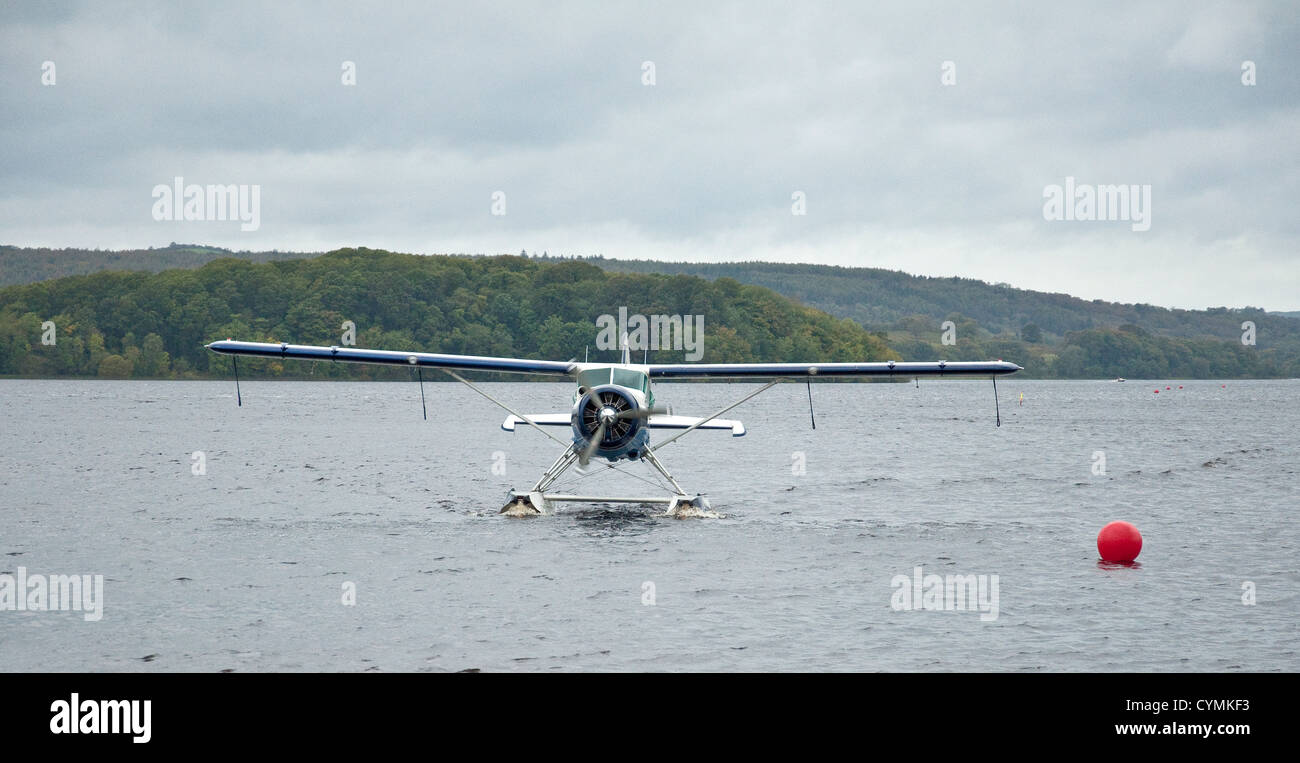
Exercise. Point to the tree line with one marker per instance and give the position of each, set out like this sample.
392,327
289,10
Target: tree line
154,325
115,324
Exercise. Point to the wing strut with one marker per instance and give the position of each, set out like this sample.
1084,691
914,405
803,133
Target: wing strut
810,408
996,409
508,409
703,421
423,407
238,397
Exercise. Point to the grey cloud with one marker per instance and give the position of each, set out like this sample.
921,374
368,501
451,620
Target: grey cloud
752,103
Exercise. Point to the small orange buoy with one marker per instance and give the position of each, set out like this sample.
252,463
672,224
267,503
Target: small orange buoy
1119,542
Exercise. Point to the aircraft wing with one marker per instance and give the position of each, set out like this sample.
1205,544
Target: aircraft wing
393,358
897,369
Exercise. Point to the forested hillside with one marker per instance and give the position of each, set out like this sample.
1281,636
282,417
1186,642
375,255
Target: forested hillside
29,265
1052,335
121,325
877,298
152,325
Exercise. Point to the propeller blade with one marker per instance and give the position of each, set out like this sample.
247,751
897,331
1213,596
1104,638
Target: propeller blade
585,457
641,413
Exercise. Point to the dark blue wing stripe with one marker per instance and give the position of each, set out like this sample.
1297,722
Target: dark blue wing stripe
389,357
769,370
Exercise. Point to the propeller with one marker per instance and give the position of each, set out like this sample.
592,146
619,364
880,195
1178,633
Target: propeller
608,415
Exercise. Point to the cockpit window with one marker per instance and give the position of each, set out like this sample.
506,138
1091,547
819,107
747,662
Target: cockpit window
632,379
593,377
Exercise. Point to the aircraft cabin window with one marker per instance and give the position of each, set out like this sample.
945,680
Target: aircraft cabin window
629,379
593,377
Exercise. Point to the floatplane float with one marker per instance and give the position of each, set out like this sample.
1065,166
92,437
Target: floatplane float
613,407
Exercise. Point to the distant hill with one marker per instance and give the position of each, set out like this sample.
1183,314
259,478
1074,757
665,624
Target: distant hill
24,265
1034,328
1052,335
154,325
880,298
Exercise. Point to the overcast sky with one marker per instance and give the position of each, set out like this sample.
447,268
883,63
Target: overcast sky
750,104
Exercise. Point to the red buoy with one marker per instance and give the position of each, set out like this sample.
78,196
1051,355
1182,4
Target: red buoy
1119,542
1157,392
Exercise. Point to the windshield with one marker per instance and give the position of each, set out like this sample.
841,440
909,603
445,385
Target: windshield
632,379
593,377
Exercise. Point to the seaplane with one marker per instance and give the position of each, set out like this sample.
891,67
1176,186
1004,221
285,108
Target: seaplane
613,408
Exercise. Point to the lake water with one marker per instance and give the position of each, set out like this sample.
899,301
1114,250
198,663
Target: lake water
315,489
